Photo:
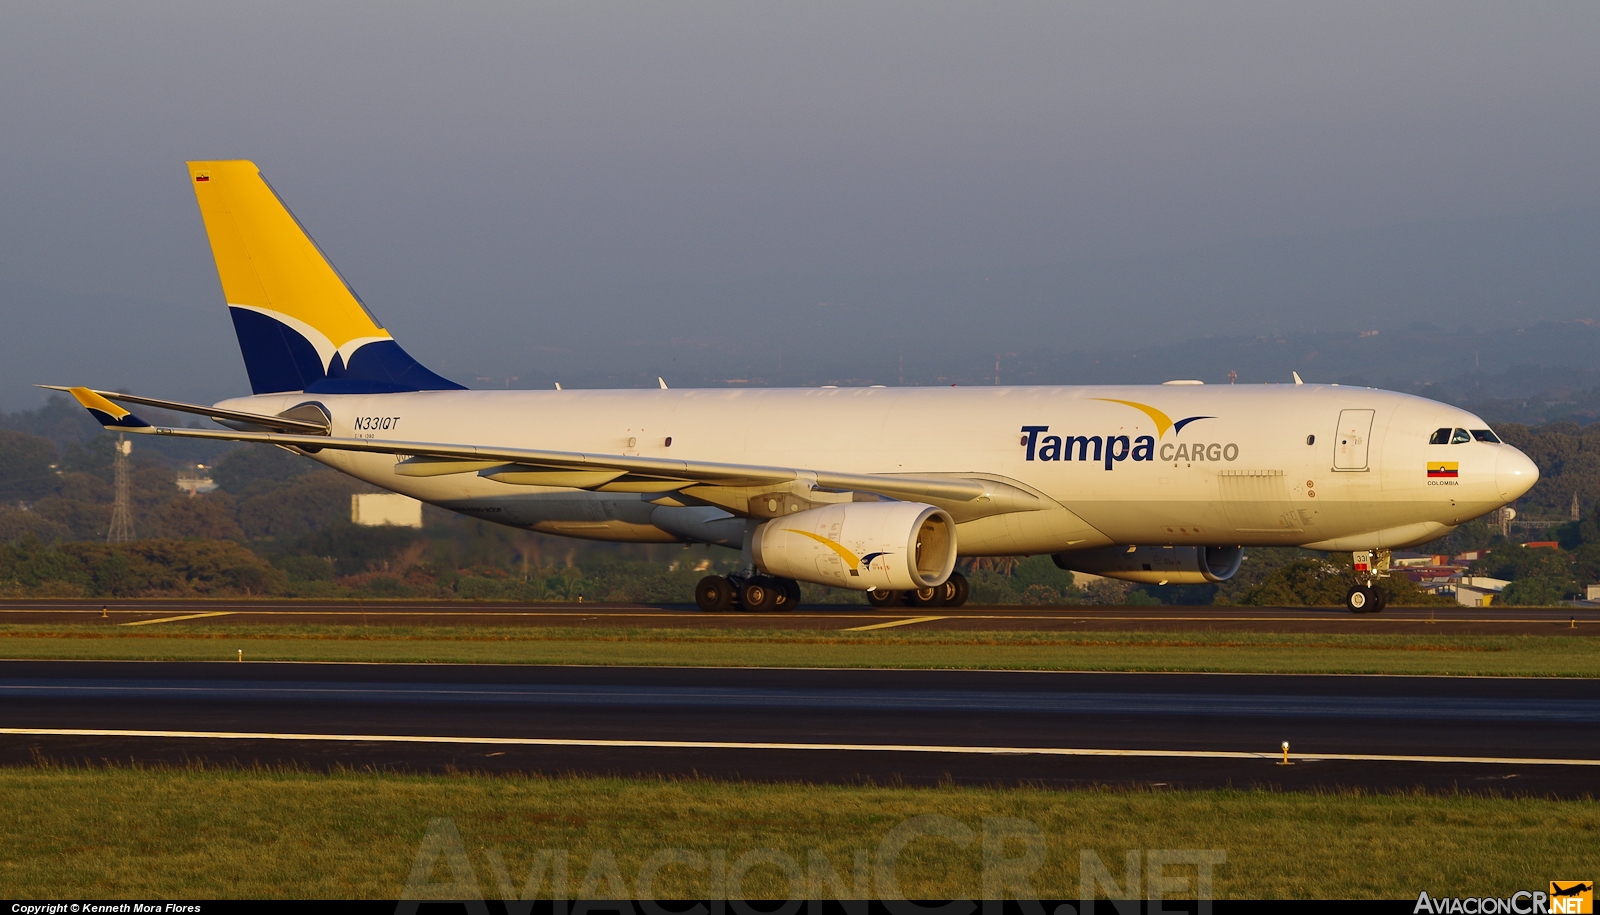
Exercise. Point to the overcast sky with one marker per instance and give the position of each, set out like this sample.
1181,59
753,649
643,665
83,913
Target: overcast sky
549,185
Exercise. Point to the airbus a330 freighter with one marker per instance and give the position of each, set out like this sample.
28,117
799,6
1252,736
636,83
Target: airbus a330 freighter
871,489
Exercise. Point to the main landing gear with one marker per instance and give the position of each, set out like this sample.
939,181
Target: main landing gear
953,593
766,593
756,593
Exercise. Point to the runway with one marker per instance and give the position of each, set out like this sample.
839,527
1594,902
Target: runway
1397,621
1498,735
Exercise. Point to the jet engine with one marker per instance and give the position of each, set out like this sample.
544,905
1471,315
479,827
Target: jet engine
1156,565
900,546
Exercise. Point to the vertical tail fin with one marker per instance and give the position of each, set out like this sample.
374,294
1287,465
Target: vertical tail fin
300,326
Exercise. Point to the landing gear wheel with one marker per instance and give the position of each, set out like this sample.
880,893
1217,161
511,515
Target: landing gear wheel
956,590
759,595
714,594
789,589
926,598
883,597
1364,599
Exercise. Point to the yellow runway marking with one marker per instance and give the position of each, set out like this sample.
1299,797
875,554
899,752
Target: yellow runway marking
174,619
893,623
740,745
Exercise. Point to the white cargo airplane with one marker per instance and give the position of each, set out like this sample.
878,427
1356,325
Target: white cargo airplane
870,489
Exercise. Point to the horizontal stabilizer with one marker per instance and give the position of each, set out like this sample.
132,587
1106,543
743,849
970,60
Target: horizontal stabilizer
275,423
107,413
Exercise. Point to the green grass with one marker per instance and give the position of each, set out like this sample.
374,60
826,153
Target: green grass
131,833
1545,656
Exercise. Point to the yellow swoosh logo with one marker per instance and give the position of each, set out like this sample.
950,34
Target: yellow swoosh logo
1162,421
844,554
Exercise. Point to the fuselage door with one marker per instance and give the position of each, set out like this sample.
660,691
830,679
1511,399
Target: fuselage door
1350,442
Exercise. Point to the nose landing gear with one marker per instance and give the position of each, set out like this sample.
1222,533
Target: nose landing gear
1366,596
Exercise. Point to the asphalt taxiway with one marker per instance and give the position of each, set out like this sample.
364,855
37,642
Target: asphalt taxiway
1395,620
1500,735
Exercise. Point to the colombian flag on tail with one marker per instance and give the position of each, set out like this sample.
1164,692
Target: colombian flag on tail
1443,469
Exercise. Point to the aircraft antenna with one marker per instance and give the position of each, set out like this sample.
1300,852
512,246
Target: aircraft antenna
122,509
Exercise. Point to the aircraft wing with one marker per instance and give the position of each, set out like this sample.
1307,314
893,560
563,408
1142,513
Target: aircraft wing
726,485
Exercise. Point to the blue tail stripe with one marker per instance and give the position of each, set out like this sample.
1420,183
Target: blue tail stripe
128,421
385,361
278,358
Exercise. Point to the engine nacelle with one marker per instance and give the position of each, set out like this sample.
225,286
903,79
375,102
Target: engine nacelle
900,546
1156,565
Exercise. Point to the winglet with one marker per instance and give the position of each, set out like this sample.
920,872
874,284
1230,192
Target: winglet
109,414
1297,378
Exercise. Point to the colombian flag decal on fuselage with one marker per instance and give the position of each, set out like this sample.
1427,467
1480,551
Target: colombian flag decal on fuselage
1438,469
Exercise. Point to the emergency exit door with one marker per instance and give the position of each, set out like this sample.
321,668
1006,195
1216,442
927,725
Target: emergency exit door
1350,444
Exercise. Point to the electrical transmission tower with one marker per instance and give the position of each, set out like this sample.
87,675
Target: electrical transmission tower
122,510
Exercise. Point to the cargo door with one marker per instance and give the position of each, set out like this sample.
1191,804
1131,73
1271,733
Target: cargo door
1350,442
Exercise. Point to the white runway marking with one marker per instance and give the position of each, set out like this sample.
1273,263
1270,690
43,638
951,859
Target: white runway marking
736,745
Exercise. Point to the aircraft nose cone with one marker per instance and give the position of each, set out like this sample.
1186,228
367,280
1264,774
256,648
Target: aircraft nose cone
1515,473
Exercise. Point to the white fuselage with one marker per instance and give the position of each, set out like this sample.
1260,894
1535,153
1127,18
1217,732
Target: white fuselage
1253,465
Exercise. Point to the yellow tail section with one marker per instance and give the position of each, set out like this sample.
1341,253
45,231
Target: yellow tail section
267,261
299,324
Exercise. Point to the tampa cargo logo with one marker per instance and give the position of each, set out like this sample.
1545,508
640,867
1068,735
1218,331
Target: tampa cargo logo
855,564
1109,450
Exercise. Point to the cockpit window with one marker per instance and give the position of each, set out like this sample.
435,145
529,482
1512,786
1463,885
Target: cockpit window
1460,437
1484,435
1440,437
